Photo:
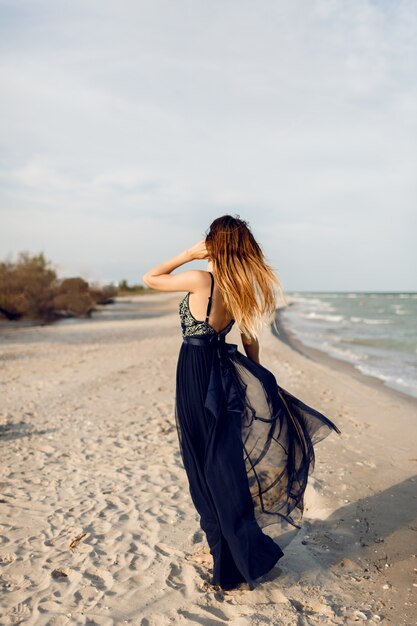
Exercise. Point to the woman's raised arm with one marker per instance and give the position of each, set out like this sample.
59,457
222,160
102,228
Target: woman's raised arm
160,277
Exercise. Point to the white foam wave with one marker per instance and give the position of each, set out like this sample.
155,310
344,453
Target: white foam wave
315,303
367,320
347,355
407,383
312,315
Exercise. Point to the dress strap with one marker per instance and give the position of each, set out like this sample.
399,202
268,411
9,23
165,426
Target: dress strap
209,298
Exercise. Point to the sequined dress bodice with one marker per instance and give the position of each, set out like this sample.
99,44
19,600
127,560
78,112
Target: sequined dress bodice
192,327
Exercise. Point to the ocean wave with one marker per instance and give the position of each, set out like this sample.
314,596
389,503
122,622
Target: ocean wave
354,330
347,355
403,384
315,303
385,343
368,320
312,315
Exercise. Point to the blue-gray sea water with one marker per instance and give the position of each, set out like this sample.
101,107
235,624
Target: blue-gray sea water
376,332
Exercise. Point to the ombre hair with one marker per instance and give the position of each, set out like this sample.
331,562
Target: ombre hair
247,282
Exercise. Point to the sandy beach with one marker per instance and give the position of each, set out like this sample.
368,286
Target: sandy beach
97,524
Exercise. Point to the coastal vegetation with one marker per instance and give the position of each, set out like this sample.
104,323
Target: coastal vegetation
124,289
31,289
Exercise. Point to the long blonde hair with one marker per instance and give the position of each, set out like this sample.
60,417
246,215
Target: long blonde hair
247,282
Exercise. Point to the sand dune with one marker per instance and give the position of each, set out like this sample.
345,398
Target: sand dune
97,524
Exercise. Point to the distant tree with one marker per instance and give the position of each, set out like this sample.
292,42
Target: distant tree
123,285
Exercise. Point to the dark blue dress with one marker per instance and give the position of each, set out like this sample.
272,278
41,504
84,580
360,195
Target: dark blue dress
247,446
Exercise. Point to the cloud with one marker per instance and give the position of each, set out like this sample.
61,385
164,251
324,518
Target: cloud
299,116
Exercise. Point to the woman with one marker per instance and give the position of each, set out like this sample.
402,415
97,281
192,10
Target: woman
246,443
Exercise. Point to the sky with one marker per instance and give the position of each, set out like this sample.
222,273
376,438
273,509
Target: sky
127,127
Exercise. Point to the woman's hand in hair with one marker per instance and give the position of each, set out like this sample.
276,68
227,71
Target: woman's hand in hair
199,250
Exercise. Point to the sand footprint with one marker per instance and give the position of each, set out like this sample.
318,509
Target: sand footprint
143,558
167,550
174,579
7,558
217,617
181,578
98,578
18,614
11,582
87,597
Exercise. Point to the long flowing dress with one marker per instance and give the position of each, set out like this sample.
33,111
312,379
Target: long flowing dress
247,446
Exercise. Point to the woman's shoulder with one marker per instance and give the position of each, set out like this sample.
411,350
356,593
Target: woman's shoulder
202,277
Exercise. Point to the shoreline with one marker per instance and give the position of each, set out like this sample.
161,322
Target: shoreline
289,338
161,305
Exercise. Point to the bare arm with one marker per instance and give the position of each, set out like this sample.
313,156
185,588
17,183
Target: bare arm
251,347
160,277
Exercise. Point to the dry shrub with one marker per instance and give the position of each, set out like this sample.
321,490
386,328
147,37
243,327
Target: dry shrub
27,287
103,295
73,298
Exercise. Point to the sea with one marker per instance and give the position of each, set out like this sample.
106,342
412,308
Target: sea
375,332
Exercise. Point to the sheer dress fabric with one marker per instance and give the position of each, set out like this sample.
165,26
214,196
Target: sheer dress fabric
247,446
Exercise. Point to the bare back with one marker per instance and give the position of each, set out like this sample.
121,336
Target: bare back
219,317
